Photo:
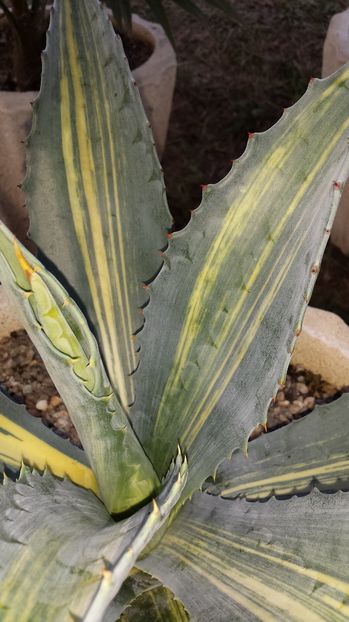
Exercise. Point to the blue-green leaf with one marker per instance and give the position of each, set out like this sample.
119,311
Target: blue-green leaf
228,304
280,560
94,187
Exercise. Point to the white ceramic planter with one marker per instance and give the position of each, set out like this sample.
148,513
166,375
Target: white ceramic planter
156,81
335,54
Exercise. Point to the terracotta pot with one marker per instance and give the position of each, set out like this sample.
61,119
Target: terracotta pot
155,79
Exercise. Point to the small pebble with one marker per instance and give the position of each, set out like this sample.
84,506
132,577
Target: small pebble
41,405
55,401
302,388
309,401
294,408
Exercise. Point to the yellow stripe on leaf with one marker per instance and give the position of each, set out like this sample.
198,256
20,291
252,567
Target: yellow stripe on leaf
235,283
17,445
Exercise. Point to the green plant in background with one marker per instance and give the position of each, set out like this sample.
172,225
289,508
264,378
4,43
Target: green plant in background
165,377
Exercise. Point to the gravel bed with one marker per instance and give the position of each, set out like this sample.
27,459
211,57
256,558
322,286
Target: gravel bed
23,375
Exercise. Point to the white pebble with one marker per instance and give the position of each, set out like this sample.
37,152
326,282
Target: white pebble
41,405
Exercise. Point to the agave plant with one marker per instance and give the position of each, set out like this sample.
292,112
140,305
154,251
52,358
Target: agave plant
167,350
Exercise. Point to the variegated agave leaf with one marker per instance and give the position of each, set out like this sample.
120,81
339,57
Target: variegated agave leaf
234,286
280,560
284,559
61,555
60,332
308,452
24,439
94,188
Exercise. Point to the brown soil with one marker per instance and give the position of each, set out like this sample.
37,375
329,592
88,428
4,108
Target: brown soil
24,377
137,52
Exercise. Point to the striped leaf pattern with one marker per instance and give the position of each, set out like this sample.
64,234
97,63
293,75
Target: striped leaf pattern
24,439
308,452
280,560
94,188
62,556
61,334
232,292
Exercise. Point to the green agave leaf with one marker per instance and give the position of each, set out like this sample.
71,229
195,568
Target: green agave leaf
24,439
234,286
313,450
157,605
94,188
60,332
61,555
279,560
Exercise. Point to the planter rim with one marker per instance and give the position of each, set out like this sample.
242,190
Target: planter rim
154,34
